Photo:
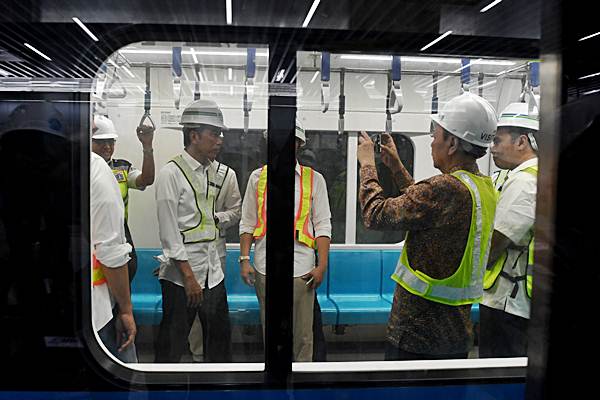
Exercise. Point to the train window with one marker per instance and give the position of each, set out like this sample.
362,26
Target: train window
208,107
361,312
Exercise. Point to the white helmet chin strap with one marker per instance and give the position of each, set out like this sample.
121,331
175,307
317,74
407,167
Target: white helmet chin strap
532,141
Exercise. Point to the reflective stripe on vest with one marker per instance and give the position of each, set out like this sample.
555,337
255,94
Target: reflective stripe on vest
492,275
530,268
301,231
97,274
205,230
465,286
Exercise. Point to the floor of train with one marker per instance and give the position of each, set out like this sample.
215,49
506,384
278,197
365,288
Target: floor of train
349,343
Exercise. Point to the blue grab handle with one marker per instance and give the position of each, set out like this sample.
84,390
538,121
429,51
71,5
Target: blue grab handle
465,74
534,74
251,62
325,66
177,61
396,69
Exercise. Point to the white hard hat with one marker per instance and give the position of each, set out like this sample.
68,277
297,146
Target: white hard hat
300,134
42,117
470,118
103,128
517,114
203,112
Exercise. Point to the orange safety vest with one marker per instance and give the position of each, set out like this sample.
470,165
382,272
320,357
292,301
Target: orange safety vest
301,232
97,275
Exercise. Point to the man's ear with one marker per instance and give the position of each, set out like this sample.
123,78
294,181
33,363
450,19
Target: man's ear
522,142
453,145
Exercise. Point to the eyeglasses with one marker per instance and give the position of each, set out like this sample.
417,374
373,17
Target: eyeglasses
104,142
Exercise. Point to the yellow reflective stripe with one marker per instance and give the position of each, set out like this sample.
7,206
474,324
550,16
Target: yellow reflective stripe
301,223
97,274
490,277
122,176
465,286
206,229
261,200
530,264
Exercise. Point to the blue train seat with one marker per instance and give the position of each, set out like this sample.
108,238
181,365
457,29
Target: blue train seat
355,287
356,290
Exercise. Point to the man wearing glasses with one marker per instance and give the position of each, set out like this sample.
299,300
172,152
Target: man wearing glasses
191,277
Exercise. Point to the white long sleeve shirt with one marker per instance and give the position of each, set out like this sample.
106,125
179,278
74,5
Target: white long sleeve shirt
177,211
107,233
228,205
515,217
319,222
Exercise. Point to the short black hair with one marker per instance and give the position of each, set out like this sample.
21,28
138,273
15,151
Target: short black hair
517,131
188,130
467,148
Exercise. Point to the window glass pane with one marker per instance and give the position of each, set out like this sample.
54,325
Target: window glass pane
183,190
364,312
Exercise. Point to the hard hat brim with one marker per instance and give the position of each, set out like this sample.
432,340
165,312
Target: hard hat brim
105,136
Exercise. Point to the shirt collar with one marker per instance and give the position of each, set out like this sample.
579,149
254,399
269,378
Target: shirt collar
192,161
533,162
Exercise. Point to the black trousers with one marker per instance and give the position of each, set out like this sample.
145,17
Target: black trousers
393,353
501,334
172,339
132,264
319,344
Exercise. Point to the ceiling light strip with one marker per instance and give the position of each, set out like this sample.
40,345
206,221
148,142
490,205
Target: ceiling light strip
85,28
311,12
436,40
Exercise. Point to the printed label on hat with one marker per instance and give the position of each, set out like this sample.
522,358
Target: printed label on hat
169,118
486,137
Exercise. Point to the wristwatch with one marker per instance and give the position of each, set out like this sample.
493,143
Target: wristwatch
243,258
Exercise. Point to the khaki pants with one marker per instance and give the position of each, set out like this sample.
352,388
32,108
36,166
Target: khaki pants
195,336
302,315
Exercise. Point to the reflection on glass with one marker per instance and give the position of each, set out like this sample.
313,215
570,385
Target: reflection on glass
177,173
420,299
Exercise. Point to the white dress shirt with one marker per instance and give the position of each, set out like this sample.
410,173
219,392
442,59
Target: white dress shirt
107,233
515,217
319,222
228,205
177,211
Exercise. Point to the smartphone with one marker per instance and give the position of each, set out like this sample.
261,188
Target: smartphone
376,138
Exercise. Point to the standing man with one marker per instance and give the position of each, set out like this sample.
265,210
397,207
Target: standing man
228,207
506,301
449,219
110,278
312,232
190,274
104,136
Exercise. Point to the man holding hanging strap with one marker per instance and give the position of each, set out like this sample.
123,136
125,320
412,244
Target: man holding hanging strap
190,274
449,219
104,136
312,230
507,286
